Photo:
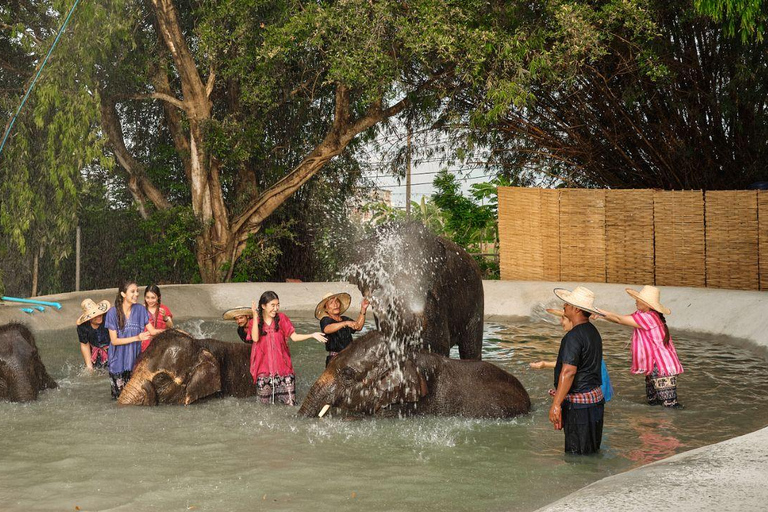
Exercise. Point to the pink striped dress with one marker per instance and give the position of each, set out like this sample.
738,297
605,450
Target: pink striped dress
648,347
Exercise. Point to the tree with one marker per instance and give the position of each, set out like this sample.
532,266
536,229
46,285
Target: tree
283,61
655,95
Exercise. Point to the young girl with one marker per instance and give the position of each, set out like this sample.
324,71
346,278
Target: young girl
271,365
653,352
128,324
159,314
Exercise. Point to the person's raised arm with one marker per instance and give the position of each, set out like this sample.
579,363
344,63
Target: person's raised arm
627,320
152,330
360,322
301,337
539,365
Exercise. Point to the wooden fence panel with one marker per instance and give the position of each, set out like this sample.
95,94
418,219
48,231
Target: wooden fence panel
629,236
678,218
529,235
762,218
582,235
732,239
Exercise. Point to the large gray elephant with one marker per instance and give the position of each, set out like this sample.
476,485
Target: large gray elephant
22,373
423,288
367,377
179,369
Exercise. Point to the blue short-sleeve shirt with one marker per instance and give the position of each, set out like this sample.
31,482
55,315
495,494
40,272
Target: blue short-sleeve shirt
123,357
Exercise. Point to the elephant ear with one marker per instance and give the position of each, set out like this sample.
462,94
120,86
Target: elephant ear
204,379
404,384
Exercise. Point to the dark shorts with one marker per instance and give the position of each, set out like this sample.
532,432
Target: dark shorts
583,427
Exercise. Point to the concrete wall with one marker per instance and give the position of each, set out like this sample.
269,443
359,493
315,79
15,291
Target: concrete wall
741,315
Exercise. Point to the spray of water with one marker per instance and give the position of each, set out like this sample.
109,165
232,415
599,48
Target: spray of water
394,273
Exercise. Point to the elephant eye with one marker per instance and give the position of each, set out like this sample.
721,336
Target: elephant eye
347,374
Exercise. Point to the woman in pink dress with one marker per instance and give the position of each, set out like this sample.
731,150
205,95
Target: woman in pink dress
160,316
271,365
653,353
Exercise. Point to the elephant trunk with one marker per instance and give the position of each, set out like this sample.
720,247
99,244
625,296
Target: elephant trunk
321,393
135,391
22,388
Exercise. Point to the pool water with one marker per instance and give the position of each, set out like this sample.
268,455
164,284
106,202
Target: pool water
74,448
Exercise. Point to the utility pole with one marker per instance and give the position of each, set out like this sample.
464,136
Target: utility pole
408,175
77,259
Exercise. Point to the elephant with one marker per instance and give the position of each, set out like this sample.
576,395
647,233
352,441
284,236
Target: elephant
179,369
368,378
424,289
22,373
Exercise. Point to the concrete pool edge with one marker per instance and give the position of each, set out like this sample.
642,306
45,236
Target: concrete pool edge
724,475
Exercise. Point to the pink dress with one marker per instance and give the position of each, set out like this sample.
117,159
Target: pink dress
270,355
648,348
157,323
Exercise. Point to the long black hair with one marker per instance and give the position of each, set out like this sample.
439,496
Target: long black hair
156,290
119,302
265,299
666,329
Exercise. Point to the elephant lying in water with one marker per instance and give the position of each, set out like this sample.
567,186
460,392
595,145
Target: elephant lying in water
178,369
422,287
367,377
22,373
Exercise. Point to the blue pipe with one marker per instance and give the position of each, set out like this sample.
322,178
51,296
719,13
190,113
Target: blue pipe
28,310
40,308
32,301
37,75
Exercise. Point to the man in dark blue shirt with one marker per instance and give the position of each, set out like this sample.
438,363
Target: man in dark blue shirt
578,403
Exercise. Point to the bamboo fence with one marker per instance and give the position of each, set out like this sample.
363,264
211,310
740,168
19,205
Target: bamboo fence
671,238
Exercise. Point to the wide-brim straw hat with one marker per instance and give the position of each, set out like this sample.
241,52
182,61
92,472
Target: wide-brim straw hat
92,310
580,297
230,314
650,296
344,298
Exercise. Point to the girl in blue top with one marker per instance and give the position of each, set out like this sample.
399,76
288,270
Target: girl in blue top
129,324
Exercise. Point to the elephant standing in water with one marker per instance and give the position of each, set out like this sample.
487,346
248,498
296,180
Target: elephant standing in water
22,373
178,369
424,289
368,378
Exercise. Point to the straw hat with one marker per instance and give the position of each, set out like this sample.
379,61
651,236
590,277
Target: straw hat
344,298
650,296
230,314
580,297
92,310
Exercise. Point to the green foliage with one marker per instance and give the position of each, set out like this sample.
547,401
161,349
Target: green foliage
259,259
745,18
161,249
467,223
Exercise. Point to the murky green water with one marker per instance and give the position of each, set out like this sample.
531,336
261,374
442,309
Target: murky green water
76,448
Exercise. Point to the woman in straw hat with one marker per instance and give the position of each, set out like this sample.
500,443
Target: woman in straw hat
338,328
271,365
566,324
93,335
653,353
243,316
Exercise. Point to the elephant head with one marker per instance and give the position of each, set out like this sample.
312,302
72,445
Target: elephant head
365,377
22,373
424,290
175,369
